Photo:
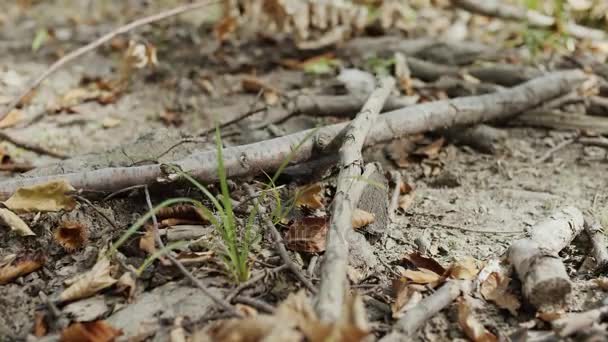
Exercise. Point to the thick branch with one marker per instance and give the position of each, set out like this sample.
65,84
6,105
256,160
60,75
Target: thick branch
542,273
504,10
333,272
251,159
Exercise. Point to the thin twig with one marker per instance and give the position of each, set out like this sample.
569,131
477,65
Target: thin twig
118,192
31,147
280,245
252,281
396,178
221,302
98,42
551,151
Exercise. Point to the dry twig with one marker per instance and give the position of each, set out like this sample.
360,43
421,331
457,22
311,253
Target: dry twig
98,42
599,249
268,155
333,270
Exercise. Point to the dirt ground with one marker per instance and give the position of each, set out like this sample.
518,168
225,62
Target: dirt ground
470,204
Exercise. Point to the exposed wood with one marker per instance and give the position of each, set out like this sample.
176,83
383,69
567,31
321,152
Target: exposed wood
247,160
542,273
562,121
599,247
333,271
405,328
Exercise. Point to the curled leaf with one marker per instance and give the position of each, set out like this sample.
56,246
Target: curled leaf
465,269
51,196
15,223
474,330
12,267
422,276
89,283
71,235
495,288
362,218
310,196
97,331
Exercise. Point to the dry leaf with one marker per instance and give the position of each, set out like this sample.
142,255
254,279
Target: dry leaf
51,196
420,261
406,297
362,218
465,269
11,119
110,122
310,196
147,242
294,320
186,212
406,201
431,150
15,223
89,283
171,118
141,55
474,330
307,235
71,235
495,288
422,276
97,331
40,326
602,283
550,316
127,284
224,27
12,267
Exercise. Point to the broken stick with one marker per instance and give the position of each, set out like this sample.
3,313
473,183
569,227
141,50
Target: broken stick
500,9
333,272
541,271
247,160
595,231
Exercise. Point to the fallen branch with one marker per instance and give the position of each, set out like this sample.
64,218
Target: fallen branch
96,43
562,121
333,271
599,249
251,159
405,328
541,271
501,9
579,322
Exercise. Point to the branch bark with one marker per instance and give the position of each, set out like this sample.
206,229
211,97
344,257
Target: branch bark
504,10
541,271
333,272
599,251
247,160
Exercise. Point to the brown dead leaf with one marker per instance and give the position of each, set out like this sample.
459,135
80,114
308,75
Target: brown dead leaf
246,310
71,235
406,201
495,288
362,218
465,269
11,119
474,330
171,118
51,196
89,283
224,27
406,297
97,331
295,320
127,285
147,242
12,266
141,55
428,263
40,326
15,223
307,234
550,315
186,212
422,276
431,150
310,196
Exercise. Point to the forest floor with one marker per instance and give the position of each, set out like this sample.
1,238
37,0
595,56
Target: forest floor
459,200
